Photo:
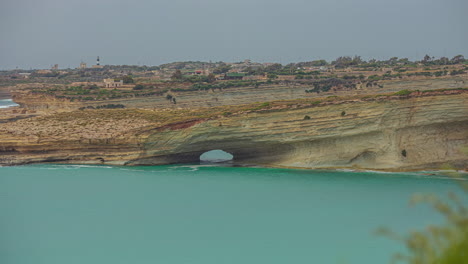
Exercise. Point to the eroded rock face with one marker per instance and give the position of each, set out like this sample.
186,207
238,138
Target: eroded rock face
25,96
414,133
429,131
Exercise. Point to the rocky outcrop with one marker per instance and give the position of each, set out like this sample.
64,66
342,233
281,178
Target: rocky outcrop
4,92
25,96
399,133
407,134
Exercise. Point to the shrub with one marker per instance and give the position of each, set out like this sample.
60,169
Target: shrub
403,153
272,76
306,117
343,113
455,72
138,87
374,78
403,92
127,79
110,106
437,244
261,106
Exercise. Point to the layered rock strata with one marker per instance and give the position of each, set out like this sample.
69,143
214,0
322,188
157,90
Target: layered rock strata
420,132
25,96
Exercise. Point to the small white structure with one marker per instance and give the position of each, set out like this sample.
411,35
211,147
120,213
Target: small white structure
111,83
25,75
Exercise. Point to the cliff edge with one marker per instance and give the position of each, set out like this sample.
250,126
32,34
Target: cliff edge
410,132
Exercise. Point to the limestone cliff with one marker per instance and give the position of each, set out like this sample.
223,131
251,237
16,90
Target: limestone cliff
26,96
415,132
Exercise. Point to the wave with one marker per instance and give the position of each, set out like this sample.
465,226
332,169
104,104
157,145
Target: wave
195,167
74,167
5,103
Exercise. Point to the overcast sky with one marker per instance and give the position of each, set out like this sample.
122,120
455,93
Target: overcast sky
39,33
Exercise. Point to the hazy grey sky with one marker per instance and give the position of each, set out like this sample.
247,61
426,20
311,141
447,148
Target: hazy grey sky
39,33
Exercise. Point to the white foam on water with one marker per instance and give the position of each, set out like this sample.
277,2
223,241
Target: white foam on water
197,167
380,172
139,170
193,168
346,170
75,167
5,103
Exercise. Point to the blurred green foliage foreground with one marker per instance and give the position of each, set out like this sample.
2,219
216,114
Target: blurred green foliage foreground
445,244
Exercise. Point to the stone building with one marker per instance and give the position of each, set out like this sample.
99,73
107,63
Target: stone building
111,83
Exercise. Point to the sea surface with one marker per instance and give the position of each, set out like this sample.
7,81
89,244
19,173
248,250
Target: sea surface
206,214
5,103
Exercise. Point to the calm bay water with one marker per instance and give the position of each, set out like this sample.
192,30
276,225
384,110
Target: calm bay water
55,214
5,103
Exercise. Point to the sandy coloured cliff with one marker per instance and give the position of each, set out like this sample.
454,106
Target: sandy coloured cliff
24,94
420,131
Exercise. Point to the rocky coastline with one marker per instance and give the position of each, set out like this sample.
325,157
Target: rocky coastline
418,131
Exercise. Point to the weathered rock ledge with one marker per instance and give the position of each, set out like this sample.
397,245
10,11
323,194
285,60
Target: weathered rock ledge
421,132
25,95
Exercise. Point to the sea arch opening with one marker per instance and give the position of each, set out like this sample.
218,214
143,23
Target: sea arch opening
215,156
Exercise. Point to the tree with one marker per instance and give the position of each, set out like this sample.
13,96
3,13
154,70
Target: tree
319,63
272,76
211,78
356,60
177,75
443,61
138,87
404,61
392,61
250,71
427,59
127,79
222,68
342,62
457,59
274,68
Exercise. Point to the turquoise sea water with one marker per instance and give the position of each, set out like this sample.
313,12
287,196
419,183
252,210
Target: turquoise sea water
5,103
203,214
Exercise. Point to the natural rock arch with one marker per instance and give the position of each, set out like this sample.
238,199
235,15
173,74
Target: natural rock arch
216,155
